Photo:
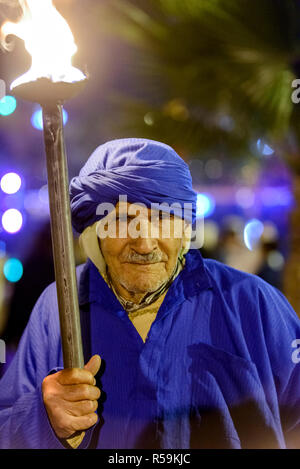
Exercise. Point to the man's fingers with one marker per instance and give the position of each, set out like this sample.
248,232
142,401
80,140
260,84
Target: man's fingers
75,376
84,422
70,398
79,375
80,408
67,425
93,366
81,392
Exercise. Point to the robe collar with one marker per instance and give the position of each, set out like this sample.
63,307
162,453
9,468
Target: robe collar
191,280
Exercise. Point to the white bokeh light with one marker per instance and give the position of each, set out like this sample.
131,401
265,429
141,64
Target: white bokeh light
245,197
12,220
10,183
252,233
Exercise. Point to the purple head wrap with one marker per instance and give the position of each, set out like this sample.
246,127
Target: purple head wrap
145,171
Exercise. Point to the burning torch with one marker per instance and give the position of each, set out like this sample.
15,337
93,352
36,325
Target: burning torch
51,81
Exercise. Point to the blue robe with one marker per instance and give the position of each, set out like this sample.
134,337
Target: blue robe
216,370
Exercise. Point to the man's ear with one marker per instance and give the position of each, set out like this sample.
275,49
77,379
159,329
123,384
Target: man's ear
186,239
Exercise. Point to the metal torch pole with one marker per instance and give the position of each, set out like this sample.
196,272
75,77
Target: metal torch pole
62,237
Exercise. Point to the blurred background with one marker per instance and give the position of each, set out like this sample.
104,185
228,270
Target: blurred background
212,78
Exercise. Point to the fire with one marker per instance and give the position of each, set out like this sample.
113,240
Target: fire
49,41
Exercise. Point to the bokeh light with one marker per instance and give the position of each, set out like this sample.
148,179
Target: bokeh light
205,205
13,270
252,233
270,234
8,105
44,195
275,260
211,235
37,119
264,148
10,183
12,220
214,169
245,197
2,249
36,203
277,197
148,118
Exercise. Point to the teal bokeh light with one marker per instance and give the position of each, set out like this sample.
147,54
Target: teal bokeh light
8,105
13,270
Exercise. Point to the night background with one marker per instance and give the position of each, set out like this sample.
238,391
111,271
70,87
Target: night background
211,78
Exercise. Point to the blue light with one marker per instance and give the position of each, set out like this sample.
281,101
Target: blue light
13,270
205,205
264,148
267,150
8,105
37,119
252,233
36,203
2,249
277,197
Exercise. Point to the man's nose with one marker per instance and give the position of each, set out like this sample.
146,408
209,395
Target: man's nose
144,245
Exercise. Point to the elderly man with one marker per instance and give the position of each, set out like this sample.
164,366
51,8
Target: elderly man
194,354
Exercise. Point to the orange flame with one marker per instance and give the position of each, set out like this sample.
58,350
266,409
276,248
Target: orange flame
49,41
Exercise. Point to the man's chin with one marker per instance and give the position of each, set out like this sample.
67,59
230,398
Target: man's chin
143,286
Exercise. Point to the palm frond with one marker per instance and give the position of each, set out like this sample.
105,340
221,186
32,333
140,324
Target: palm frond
218,56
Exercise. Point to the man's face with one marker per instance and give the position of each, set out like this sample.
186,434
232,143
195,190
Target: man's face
142,264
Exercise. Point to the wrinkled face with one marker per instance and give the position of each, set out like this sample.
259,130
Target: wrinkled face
144,252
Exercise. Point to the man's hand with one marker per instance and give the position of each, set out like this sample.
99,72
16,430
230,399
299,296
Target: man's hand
70,397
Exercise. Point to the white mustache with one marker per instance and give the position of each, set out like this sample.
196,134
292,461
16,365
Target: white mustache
151,258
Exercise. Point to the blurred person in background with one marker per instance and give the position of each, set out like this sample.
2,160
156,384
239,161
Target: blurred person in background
233,252
272,263
264,259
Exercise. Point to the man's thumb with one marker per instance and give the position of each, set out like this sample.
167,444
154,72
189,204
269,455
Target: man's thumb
93,365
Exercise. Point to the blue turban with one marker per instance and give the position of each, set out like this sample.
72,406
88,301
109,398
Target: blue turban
144,170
